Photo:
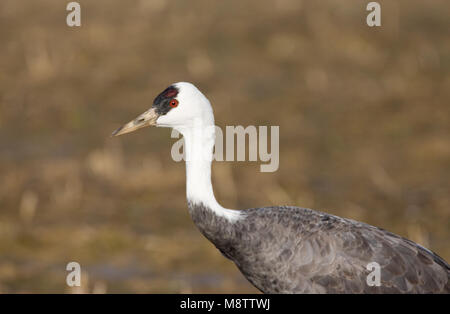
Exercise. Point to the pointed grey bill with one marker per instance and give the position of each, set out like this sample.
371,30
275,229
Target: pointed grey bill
148,118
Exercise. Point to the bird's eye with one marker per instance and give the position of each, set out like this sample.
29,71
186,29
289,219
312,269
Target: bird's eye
173,103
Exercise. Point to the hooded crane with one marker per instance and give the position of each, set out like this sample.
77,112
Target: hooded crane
284,249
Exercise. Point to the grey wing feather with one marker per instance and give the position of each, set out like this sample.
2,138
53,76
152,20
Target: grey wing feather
297,250
405,267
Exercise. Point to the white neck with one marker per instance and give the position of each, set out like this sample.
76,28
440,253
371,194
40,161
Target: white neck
199,143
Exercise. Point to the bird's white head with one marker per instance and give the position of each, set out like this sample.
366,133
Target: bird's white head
183,107
180,106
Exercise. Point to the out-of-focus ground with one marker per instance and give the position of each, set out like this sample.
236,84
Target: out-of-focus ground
363,115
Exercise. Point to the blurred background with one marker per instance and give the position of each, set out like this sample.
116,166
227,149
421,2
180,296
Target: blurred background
363,115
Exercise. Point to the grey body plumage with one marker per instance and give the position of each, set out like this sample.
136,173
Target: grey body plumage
298,250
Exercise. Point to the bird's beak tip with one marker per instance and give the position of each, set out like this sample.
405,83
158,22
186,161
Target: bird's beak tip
148,118
116,132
